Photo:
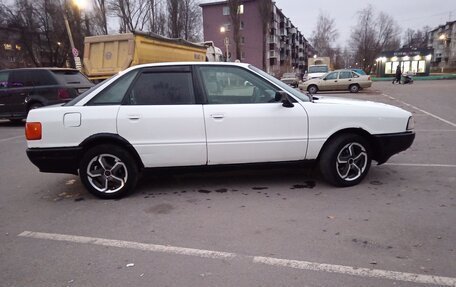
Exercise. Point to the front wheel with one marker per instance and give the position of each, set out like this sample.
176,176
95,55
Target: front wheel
108,171
346,160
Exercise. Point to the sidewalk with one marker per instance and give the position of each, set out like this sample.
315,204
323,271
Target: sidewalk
421,78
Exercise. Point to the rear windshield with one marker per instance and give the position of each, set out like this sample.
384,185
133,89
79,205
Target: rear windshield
70,77
318,69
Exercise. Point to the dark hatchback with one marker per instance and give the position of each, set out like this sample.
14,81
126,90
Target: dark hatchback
22,90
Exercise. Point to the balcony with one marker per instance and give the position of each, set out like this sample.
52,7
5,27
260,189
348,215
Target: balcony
273,39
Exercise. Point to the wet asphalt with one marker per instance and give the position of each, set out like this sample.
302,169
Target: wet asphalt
401,218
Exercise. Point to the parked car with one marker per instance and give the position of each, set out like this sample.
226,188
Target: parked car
290,79
358,71
22,90
203,114
339,80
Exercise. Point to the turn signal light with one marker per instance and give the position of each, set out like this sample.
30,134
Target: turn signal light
33,131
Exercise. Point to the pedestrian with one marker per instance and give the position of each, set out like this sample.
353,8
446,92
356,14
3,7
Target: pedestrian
397,79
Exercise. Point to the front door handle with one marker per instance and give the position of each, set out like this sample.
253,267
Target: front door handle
134,117
217,116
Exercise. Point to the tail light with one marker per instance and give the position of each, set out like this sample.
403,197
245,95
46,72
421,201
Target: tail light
369,78
33,131
63,94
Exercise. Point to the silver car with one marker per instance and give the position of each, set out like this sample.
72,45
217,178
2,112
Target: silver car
339,80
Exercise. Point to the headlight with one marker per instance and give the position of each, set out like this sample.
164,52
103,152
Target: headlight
410,124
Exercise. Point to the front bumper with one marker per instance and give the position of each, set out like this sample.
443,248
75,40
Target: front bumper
56,160
387,145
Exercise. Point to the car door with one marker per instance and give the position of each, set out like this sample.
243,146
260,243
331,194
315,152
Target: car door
244,123
162,119
329,82
345,80
3,91
19,89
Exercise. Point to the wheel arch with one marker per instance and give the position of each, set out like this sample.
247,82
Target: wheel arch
357,131
113,139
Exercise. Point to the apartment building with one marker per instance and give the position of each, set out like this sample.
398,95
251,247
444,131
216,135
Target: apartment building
442,40
287,48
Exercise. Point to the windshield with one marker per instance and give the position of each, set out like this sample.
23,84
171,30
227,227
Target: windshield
318,69
281,84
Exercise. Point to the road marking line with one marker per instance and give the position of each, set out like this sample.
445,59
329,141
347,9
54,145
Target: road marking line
421,110
304,265
421,164
129,244
360,272
12,138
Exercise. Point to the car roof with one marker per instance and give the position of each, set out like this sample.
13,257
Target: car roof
191,64
41,68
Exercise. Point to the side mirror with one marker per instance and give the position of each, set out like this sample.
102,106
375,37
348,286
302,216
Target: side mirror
284,98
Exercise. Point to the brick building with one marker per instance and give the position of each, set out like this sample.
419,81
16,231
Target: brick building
287,51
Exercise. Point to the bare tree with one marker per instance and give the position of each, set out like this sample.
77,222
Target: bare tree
372,35
416,38
174,19
191,20
133,14
324,35
234,8
265,9
100,16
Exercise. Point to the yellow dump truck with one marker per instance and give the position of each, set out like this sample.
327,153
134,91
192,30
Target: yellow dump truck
106,55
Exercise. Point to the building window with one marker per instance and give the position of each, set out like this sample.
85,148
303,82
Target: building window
226,11
242,25
242,40
227,27
242,55
241,9
421,66
8,46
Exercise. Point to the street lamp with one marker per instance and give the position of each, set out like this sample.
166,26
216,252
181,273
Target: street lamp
226,41
80,4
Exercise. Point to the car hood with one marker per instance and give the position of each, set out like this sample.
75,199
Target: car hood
354,105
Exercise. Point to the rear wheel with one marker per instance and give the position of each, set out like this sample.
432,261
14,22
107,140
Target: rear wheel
354,88
312,89
346,160
108,171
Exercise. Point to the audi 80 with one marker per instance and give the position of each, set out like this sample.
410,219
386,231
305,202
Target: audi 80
203,114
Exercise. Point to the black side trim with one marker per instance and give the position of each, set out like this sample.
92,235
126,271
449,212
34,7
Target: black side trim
387,145
56,160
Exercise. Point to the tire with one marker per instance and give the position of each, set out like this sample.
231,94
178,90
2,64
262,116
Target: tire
312,89
108,171
353,88
345,160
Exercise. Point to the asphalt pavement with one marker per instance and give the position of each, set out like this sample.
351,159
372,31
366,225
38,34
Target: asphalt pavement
271,226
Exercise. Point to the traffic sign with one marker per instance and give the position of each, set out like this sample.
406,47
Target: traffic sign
75,52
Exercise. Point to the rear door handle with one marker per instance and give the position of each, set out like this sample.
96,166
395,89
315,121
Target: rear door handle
217,116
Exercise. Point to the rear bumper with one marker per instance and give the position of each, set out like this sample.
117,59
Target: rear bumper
387,145
56,160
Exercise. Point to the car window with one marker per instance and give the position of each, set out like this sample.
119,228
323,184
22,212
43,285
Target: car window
332,76
71,77
345,75
19,78
163,88
114,93
355,75
3,79
234,85
41,78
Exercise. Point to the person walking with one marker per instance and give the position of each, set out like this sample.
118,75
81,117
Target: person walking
397,79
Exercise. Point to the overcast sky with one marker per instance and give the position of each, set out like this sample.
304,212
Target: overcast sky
407,13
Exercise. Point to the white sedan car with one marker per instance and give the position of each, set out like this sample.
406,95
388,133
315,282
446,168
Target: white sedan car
203,114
